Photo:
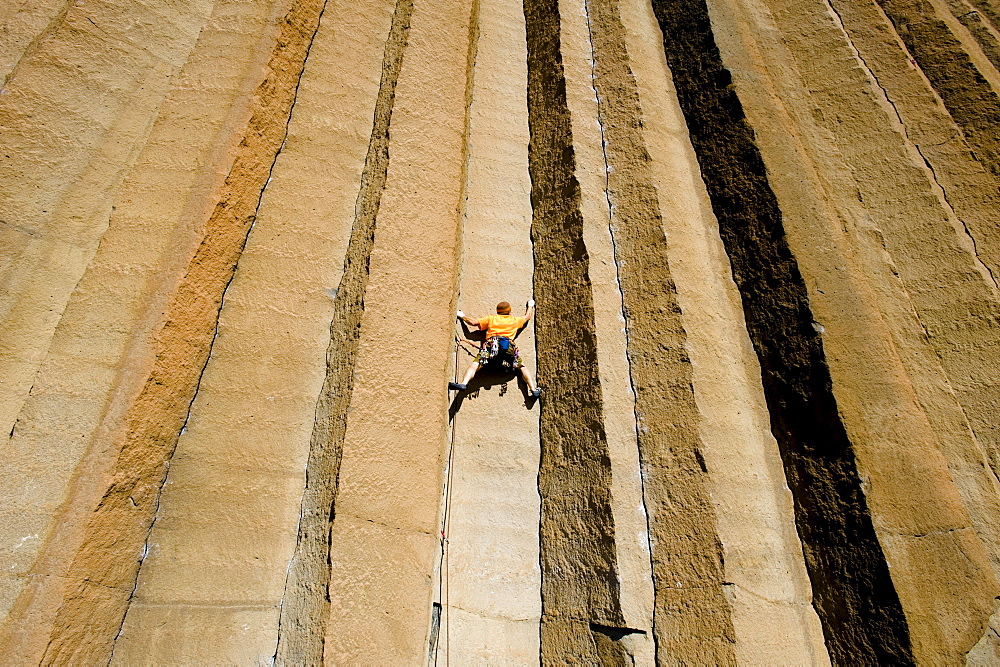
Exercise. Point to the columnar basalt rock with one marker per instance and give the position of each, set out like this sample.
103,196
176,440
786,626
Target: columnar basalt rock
304,604
761,236
580,586
693,617
628,508
488,579
839,539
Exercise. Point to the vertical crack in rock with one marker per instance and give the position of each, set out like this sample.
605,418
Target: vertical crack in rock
577,534
962,88
440,608
102,576
692,619
305,605
852,590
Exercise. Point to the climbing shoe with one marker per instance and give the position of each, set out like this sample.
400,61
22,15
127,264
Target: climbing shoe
536,393
457,385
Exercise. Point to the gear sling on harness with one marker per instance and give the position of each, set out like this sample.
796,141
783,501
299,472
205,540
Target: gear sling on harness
504,355
499,351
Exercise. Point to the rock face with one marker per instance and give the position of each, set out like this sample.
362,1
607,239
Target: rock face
762,239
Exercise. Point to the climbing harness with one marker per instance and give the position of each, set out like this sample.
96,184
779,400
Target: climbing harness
499,351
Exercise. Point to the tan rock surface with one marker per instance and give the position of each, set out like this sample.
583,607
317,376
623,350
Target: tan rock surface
911,496
391,472
251,420
117,302
769,586
79,99
488,581
98,591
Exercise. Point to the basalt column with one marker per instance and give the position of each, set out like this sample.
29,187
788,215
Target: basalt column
252,419
579,570
82,88
851,586
952,288
844,348
384,536
762,238
124,363
766,582
692,619
946,254
853,226
489,581
636,591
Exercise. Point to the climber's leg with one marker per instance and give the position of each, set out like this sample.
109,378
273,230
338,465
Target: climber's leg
468,377
471,372
530,381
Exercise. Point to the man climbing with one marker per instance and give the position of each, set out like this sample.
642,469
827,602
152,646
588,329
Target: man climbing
499,345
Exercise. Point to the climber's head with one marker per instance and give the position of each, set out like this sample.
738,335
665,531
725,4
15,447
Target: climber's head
503,308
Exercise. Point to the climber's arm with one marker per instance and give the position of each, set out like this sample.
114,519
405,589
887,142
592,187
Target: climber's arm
468,320
530,311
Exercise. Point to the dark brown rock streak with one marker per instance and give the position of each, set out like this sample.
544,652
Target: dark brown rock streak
577,535
852,590
692,619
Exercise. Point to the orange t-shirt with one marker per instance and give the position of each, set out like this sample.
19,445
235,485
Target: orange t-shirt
501,325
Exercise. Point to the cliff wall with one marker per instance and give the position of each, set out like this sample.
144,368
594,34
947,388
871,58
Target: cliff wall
762,239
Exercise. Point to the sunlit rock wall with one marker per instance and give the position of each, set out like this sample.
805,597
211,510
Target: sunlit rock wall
763,240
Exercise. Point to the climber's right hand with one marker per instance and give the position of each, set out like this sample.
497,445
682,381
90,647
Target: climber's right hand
531,303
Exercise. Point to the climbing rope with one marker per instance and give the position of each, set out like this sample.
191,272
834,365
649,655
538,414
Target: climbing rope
443,565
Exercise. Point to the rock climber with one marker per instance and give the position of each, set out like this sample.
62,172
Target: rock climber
499,344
